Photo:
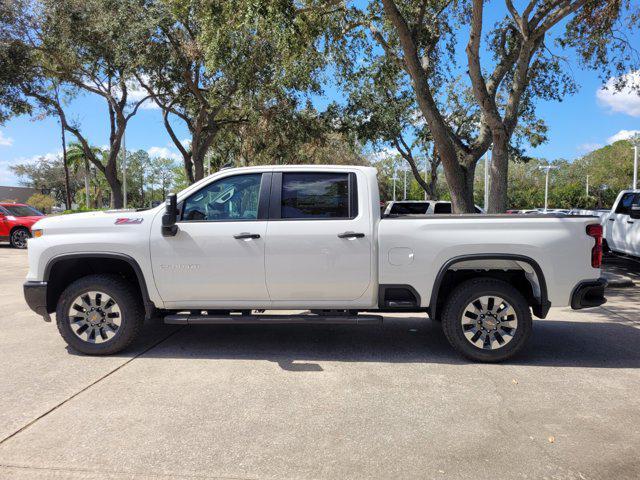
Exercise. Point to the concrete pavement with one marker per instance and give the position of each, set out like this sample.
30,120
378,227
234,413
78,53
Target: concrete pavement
320,402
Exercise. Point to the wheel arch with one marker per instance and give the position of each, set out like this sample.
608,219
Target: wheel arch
61,270
540,304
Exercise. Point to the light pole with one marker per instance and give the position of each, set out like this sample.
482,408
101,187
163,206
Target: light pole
405,183
124,168
587,186
394,181
635,167
547,168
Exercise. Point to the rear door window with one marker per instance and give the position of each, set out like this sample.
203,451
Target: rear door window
317,196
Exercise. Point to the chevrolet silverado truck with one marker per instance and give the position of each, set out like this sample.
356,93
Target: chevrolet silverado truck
246,245
621,224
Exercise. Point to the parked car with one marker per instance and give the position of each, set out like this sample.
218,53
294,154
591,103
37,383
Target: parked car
622,224
16,220
307,238
421,207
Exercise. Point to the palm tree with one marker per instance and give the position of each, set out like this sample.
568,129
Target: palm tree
77,159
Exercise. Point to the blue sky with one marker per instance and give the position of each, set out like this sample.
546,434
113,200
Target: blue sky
587,120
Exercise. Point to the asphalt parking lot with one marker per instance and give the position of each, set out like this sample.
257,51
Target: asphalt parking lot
295,402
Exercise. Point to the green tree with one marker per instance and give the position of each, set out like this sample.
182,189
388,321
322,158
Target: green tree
42,202
217,66
610,170
46,174
14,61
78,160
508,66
84,47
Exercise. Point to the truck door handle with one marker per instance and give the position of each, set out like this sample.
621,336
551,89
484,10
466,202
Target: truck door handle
246,235
351,235
629,221
612,219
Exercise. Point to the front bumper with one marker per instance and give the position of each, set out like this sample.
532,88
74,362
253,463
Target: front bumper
35,294
589,293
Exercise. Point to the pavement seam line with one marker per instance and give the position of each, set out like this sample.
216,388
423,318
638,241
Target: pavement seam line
629,320
127,474
84,389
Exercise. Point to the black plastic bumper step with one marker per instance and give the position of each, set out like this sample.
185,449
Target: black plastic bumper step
295,319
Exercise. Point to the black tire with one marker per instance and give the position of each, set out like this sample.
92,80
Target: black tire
18,237
456,305
131,313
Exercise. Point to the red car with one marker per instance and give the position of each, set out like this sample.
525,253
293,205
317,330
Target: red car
16,220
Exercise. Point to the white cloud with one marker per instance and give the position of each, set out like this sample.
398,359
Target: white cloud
383,153
5,141
623,135
164,152
137,93
589,147
627,99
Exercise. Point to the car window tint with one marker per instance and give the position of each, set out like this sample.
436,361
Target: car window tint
315,195
22,211
624,206
416,208
444,207
228,199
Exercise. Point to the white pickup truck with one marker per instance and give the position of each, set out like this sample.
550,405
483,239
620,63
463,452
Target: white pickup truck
310,238
622,224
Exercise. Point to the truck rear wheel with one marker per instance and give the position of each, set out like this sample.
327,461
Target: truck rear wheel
99,314
486,320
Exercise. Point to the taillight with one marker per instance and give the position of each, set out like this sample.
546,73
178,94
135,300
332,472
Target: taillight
595,231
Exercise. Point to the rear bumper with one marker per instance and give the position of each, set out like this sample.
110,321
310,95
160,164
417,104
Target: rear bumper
35,294
589,293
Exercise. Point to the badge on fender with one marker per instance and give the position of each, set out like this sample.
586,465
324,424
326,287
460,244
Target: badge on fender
128,221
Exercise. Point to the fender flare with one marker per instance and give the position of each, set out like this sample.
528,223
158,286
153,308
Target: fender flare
540,310
149,306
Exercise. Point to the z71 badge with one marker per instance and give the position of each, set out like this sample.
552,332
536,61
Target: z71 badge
128,221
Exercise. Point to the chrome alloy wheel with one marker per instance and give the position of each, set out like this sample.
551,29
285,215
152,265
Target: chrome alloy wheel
489,322
19,238
95,317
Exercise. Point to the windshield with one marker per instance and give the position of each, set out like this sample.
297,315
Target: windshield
22,211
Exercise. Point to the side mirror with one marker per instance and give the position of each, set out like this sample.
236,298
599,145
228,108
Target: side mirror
635,211
169,227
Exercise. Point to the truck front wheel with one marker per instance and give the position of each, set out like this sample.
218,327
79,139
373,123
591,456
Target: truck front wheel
486,320
99,314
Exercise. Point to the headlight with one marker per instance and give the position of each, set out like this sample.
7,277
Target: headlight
36,233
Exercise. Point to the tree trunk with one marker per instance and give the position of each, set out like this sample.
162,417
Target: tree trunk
460,180
66,168
499,173
199,146
111,174
198,163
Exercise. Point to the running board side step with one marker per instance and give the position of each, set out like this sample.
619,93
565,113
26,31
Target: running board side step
300,319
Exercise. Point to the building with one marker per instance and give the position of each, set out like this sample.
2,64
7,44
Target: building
17,194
